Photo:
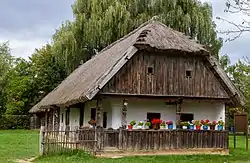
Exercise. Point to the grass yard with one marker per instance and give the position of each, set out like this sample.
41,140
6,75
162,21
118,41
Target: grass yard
21,144
17,144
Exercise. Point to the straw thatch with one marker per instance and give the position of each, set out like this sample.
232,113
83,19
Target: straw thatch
86,81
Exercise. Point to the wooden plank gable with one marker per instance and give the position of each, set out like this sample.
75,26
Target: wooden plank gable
152,73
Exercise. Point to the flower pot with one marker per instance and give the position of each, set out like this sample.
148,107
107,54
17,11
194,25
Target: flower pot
212,127
162,127
156,126
198,127
146,127
170,127
139,127
205,128
184,127
191,127
220,127
130,127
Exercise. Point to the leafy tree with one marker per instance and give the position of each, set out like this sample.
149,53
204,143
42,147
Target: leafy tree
19,89
99,23
47,73
5,66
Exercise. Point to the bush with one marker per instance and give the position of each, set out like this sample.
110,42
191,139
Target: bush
14,122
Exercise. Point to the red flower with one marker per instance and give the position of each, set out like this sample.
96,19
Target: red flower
202,122
169,122
214,122
156,121
207,121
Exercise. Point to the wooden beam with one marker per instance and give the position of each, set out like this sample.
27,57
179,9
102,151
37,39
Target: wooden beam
178,113
99,111
227,117
124,113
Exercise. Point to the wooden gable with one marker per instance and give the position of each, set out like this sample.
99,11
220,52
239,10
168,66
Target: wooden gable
149,73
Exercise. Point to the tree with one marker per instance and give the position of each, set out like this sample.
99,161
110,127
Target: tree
5,66
47,74
19,90
99,23
241,7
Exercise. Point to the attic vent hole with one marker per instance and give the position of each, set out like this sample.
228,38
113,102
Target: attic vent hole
150,70
188,74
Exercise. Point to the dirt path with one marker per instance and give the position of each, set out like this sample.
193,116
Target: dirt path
26,160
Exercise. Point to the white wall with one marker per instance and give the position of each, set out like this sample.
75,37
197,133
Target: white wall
137,110
205,110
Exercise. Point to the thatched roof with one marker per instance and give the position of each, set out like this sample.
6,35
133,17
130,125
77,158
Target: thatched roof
86,81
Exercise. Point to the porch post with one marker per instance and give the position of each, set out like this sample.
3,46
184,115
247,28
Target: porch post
99,112
46,119
178,113
226,117
124,113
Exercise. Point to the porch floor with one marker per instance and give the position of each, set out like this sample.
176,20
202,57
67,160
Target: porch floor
116,153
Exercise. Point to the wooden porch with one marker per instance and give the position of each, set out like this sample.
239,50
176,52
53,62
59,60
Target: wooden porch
104,142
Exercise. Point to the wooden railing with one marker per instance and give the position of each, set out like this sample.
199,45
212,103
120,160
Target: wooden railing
99,140
172,139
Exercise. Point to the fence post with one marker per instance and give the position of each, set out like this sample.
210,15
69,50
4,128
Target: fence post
120,142
42,140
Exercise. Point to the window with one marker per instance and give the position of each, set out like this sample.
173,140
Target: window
151,116
104,124
150,70
186,117
188,74
93,113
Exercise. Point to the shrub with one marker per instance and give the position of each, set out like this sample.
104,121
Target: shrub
14,122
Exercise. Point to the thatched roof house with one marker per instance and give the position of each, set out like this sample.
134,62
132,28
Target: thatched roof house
87,80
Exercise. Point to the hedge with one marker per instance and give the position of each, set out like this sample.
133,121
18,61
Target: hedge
14,122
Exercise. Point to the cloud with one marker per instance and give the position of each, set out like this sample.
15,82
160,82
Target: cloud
29,24
235,49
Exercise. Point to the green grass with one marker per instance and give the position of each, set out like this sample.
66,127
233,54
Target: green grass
17,144
21,144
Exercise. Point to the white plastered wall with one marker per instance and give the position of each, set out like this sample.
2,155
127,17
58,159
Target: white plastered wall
137,110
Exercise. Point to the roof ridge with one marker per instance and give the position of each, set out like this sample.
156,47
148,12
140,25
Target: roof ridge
126,36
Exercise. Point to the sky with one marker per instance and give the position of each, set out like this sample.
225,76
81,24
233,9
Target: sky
30,24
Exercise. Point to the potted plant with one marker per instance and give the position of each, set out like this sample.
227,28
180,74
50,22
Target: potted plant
191,125
205,124
212,125
197,125
156,123
163,125
220,125
140,125
147,124
170,125
184,125
131,124
92,123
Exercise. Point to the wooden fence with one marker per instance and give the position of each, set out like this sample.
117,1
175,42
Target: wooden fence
101,140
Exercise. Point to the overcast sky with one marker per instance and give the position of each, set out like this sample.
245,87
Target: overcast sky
29,24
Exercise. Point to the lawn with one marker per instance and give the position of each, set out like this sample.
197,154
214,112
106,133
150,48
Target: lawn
21,144
17,144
